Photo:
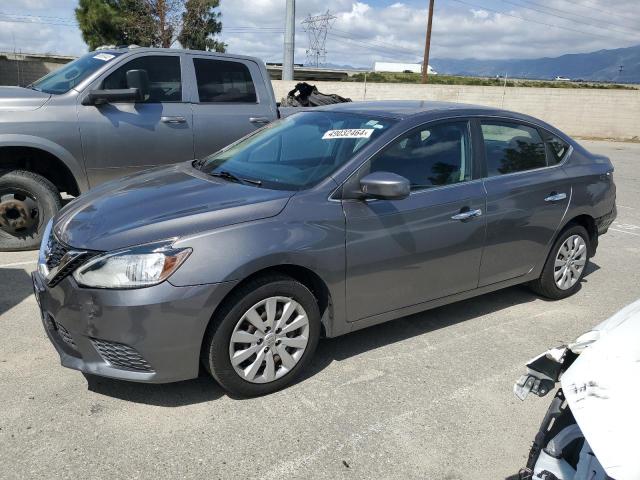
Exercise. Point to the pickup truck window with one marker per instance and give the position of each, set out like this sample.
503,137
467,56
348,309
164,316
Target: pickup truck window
65,78
164,77
221,81
299,151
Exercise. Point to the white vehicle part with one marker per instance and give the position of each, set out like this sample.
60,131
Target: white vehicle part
603,392
551,461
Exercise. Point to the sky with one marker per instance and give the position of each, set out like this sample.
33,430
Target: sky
371,30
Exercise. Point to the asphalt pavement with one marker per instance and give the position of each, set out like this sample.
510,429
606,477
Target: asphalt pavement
425,397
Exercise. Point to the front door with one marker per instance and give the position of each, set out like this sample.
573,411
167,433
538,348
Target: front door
527,197
121,138
427,246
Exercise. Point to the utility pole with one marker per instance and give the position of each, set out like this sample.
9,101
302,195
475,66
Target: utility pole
289,40
427,45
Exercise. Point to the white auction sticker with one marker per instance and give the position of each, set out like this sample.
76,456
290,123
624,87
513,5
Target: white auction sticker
105,57
348,133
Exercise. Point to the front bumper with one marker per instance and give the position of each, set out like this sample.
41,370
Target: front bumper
147,335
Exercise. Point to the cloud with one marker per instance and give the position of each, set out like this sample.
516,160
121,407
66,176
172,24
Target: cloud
368,30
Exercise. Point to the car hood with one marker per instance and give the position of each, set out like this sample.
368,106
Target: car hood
160,204
14,99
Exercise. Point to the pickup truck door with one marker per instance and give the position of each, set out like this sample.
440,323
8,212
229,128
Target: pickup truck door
232,97
121,138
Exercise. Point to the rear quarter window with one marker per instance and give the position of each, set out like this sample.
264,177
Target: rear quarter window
557,148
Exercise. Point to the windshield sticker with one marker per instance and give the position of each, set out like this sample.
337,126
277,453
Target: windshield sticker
105,57
348,133
373,124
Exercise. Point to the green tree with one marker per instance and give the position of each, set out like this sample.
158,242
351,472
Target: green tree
200,23
150,23
100,22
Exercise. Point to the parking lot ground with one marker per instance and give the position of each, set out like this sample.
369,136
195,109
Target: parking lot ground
425,397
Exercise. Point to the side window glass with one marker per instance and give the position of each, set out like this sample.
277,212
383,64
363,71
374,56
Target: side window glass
429,156
221,81
512,148
164,77
556,148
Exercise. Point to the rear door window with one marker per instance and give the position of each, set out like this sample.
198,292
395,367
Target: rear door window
222,81
511,147
165,81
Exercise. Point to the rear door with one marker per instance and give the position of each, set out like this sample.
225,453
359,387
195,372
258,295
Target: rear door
427,246
122,137
527,197
230,100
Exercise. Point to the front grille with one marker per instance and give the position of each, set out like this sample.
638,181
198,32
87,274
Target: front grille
55,254
55,251
121,356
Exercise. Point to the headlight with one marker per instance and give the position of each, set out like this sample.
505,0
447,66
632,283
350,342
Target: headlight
42,254
134,267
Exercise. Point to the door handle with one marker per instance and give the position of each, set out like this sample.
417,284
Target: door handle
467,215
555,197
173,119
259,120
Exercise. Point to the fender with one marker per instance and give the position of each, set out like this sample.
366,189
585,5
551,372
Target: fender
75,167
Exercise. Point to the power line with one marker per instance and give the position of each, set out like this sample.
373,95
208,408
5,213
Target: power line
553,25
580,15
371,45
575,3
565,18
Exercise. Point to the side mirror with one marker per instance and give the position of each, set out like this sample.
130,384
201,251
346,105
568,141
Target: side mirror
385,186
137,91
139,80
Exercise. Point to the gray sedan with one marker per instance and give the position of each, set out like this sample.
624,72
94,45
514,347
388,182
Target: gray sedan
319,224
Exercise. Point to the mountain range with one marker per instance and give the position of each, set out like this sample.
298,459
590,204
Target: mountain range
603,65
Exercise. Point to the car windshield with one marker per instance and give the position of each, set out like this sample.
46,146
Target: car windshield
299,151
65,78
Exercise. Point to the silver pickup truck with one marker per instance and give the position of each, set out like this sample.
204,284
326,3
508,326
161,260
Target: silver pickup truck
112,112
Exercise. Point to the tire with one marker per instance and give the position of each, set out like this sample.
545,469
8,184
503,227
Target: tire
547,285
27,202
230,323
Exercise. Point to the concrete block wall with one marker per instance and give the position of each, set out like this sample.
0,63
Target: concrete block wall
21,70
588,113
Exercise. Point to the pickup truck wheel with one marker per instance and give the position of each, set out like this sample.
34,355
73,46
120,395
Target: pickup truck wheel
27,202
263,336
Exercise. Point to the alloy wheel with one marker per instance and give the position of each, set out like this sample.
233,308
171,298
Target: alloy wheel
269,339
570,262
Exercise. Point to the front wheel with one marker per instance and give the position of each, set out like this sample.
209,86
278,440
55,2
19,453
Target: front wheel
27,202
566,265
263,336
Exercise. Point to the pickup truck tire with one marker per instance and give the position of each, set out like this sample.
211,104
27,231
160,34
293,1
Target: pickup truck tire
27,202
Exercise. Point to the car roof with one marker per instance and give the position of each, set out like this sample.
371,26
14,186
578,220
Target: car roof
408,108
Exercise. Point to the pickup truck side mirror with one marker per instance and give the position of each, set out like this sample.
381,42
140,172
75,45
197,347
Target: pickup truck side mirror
137,91
385,186
139,79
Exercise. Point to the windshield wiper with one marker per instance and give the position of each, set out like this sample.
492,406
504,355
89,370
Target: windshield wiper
231,177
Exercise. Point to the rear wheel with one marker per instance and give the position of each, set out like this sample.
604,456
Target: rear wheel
566,265
263,336
27,202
